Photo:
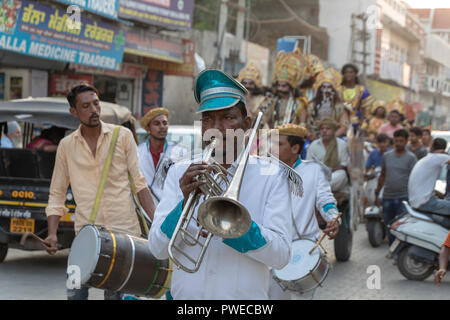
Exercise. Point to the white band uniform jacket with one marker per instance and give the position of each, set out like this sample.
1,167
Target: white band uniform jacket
231,268
172,153
317,195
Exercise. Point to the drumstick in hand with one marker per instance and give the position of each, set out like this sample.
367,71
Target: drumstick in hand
42,241
324,235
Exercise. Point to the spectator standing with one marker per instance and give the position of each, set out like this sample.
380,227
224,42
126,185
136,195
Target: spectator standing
427,140
415,146
376,156
393,125
396,166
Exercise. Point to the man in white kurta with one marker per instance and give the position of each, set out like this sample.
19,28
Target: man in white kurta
317,196
157,154
318,151
237,268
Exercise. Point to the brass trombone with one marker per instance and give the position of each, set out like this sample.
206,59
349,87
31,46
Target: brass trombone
220,213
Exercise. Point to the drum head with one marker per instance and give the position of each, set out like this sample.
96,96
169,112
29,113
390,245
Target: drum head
85,251
301,262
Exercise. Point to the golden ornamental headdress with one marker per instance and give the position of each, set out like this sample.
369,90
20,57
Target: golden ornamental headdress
314,65
290,67
330,76
396,104
252,72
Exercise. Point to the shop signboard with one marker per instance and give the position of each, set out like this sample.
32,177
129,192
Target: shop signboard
185,69
106,8
173,14
36,29
61,84
152,91
146,44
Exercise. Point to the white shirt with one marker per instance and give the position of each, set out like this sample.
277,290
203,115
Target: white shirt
6,143
226,273
317,194
317,152
423,178
172,153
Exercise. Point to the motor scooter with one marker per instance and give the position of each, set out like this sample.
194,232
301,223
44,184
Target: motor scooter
419,237
373,213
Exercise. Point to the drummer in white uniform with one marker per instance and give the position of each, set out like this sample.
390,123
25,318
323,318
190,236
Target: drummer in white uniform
317,196
157,154
237,268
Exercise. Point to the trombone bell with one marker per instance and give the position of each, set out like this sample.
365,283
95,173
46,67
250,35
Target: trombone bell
224,217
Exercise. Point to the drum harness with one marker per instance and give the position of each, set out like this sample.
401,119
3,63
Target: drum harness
146,221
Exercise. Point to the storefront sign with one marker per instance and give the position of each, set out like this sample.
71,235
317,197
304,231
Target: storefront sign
61,84
185,69
107,8
128,70
175,14
152,91
39,30
142,43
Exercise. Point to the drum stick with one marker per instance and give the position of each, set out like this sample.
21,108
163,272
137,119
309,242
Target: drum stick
42,241
324,235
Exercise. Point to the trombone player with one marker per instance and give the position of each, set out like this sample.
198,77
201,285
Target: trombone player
235,267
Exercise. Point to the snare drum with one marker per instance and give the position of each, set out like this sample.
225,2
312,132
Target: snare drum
116,261
305,271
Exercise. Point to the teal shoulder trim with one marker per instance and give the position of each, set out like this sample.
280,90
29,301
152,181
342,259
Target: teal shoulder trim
171,221
252,240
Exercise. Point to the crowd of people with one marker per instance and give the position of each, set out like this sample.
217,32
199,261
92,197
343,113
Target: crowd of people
312,111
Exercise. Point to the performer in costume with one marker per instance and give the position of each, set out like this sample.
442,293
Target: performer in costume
313,68
354,95
251,77
332,152
287,105
235,268
157,154
317,196
326,103
378,118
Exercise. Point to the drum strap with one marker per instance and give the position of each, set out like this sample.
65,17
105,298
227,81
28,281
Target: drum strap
105,171
139,209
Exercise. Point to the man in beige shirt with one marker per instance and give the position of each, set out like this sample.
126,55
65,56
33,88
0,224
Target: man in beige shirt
79,162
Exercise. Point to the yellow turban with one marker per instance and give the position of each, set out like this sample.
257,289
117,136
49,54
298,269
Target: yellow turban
149,116
329,122
291,129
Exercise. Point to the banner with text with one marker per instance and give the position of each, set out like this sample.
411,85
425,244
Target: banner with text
176,14
42,31
106,8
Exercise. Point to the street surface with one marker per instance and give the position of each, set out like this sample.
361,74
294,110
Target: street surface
36,275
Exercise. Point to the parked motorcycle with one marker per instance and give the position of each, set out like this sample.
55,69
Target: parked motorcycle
373,214
419,237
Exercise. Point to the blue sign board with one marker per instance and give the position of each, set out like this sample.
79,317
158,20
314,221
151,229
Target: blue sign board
42,31
106,8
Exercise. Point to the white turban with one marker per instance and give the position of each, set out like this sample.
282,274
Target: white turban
13,126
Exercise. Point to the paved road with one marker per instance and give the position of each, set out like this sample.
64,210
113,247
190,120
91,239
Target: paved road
35,275
348,280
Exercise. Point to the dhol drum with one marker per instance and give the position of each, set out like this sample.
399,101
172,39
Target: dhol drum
305,271
118,262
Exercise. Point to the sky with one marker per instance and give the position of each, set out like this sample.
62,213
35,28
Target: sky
429,3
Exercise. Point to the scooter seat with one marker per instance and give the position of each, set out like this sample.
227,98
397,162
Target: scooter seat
441,220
